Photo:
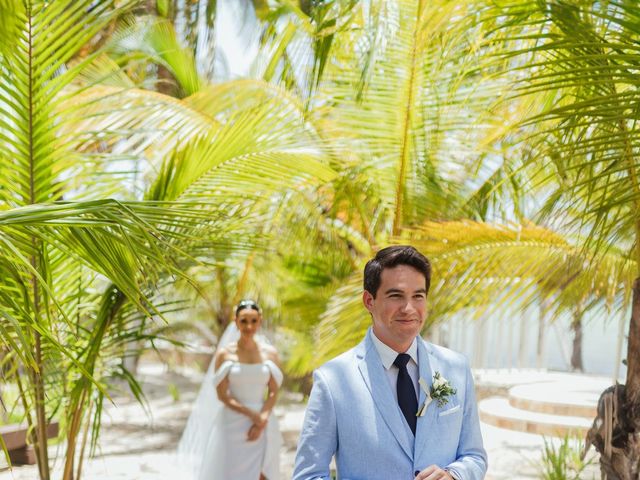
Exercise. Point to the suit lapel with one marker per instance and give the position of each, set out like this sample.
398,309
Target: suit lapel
374,377
427,364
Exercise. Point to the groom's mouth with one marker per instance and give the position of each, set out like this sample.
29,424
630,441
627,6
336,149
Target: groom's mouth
406,320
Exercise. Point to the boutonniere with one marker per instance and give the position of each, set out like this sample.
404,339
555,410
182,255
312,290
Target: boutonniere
440,391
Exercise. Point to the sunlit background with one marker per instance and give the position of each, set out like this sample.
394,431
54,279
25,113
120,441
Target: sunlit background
161,160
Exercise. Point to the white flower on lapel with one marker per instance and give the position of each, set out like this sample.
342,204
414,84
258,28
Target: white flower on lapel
439,381
441,389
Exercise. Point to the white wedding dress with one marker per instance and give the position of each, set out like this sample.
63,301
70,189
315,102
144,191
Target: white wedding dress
234,457
214,443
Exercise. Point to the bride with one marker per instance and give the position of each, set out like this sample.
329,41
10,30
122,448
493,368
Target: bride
231,432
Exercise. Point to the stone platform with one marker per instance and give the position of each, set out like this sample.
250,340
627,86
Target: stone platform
544,403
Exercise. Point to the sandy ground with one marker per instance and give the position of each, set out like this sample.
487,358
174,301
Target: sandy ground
139,445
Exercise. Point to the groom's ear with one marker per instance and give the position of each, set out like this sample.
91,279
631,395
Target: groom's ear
367,300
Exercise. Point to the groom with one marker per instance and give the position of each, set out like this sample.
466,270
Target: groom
369,406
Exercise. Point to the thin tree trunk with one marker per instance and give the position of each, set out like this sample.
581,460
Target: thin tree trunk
37,375
41,417
619,345
542,326
81,393
522,342
72,437
85,440
576,353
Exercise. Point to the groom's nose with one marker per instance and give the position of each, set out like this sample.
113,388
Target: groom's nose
407,306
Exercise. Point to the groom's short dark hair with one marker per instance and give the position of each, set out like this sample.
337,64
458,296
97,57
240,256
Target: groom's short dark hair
393,256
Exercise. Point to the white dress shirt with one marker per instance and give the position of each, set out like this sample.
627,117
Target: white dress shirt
388,356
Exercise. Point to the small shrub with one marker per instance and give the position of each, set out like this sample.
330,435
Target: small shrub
563,461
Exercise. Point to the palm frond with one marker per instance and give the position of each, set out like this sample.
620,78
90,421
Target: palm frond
148,39
259,151
584,57
31,78
12,17
485,269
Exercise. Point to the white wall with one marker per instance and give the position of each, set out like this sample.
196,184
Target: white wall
497,342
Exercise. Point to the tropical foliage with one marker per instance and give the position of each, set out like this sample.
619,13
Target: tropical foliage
87,247
562,124
578,58
498,137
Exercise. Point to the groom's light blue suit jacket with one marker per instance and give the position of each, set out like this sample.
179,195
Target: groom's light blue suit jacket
353,414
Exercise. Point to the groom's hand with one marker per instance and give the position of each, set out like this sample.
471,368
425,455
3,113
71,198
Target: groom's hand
433,472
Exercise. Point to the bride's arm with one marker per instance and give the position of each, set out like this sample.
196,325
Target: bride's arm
222,389
270,402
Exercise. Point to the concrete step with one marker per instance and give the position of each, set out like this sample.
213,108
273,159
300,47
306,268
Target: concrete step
290,420
497,411
574,399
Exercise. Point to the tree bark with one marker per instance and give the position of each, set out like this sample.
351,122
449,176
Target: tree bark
633,359
616,430
576,352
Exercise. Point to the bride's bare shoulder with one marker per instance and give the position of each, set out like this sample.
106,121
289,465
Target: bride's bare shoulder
269,352
228,352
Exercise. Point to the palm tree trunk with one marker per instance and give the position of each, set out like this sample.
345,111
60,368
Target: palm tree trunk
39,436
576,353
542,328
113,300
85,440
615,431
41,417
72,436
633,369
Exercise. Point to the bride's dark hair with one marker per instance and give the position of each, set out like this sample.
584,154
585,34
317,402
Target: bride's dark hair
247,304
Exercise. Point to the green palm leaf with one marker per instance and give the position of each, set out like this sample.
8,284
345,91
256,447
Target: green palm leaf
153,40
30,81
585,57
484,269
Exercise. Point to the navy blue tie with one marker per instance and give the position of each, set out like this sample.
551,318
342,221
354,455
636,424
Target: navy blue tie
406,393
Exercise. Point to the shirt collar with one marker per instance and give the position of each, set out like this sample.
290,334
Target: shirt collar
388,355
